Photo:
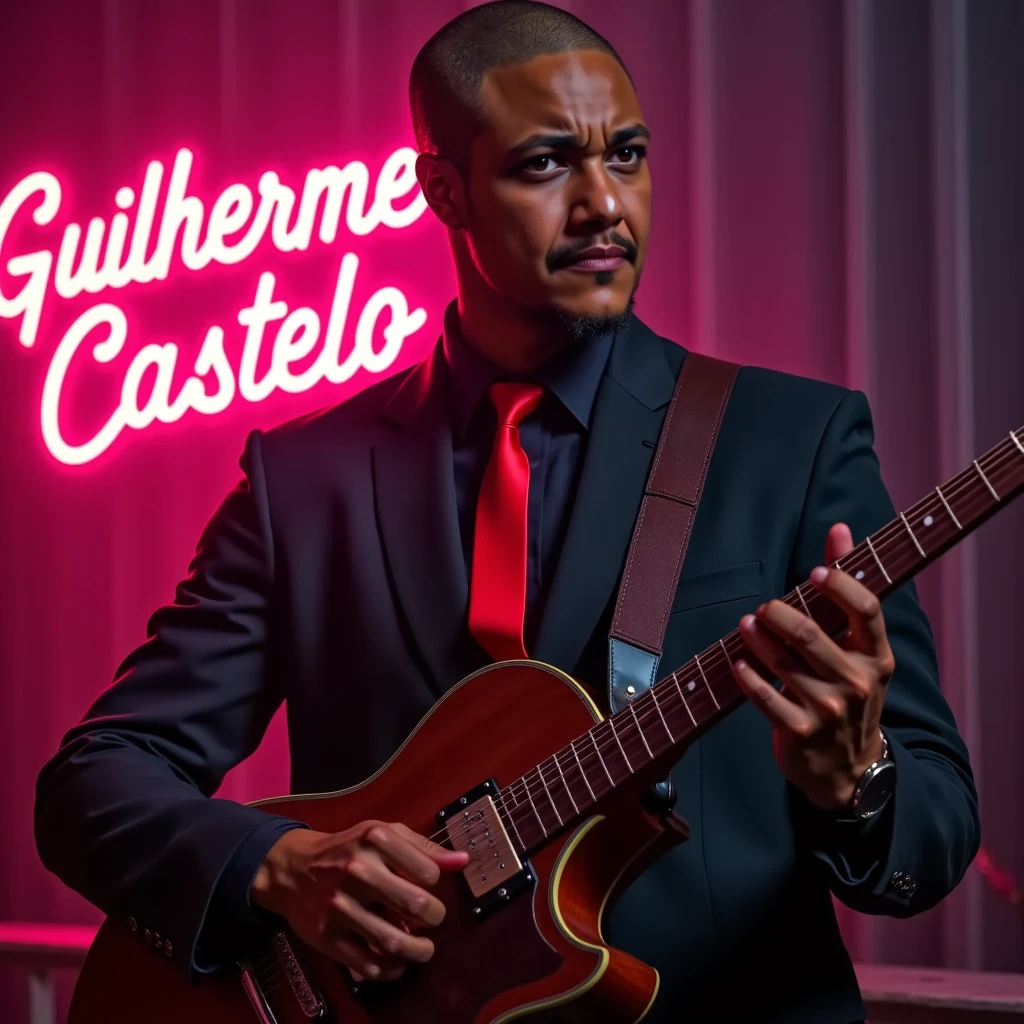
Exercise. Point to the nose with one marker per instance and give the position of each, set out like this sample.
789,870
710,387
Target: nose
596,205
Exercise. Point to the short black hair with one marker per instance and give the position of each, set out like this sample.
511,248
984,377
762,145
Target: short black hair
444,84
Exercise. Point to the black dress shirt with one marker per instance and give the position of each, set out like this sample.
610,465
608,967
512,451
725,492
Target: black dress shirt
554,438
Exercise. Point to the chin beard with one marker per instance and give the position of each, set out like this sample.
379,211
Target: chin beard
584,328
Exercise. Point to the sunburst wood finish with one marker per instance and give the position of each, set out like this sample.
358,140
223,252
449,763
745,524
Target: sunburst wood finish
541,956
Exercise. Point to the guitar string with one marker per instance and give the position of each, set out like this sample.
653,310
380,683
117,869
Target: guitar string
881,542
521,789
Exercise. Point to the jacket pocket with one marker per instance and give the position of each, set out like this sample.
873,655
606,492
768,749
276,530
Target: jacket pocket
732,584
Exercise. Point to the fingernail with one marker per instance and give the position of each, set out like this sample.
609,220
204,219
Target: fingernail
820,574
748,622
741,665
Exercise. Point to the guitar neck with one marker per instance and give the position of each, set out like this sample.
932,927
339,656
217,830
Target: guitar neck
643,739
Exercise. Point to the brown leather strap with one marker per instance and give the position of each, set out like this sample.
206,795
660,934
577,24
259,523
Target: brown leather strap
665,522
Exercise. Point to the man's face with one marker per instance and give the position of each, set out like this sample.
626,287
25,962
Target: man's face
559,188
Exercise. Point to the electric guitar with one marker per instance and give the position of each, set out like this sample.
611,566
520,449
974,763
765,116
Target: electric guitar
549,799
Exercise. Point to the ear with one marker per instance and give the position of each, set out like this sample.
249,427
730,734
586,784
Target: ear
443,190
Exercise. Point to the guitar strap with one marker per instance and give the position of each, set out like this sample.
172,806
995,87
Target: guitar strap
664,524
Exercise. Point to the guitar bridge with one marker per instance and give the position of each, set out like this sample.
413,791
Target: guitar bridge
474,825
259,982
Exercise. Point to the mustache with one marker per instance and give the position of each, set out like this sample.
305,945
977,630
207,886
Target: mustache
566,254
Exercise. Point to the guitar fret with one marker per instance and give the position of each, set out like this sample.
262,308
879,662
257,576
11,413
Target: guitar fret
512,822
878,560
639,729
657,707
800,594
942,498
912,537
1016,441
682,697
611,722
597,749
565,782
985,478
593,795
551,799
536,813
704,676
728,661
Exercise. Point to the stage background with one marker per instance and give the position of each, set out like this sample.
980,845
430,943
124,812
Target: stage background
837,194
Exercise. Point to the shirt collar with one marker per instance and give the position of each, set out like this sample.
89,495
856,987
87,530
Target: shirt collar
572,375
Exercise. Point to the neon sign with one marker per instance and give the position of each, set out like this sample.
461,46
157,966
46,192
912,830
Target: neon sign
115,255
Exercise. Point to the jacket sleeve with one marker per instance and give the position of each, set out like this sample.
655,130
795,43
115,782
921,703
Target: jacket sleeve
920,847
124,812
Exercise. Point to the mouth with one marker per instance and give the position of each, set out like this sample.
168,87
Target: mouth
597,259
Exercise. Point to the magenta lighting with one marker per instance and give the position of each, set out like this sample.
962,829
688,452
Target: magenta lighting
157,234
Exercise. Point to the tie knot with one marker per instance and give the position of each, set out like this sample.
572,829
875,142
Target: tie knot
514,401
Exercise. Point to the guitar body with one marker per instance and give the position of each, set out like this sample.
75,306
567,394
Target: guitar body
540,955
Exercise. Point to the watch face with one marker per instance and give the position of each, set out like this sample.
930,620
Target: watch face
877,790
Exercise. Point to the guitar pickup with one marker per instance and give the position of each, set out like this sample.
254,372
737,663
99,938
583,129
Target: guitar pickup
474,825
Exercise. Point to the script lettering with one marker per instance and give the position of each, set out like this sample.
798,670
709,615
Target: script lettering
146,237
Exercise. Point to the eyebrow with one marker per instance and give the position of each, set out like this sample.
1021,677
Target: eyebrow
569,141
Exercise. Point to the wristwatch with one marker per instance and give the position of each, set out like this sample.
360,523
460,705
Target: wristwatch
874,790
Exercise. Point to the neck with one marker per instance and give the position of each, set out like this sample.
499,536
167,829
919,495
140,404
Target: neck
513,339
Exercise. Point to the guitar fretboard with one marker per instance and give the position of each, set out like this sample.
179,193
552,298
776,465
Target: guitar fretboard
652,732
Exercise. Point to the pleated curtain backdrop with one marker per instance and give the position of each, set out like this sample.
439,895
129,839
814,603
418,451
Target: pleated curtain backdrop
837,194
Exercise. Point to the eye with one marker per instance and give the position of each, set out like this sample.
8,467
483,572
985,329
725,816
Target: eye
540,164
630,156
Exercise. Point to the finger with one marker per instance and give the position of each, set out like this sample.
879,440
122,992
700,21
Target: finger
862,608
409,859
361,961
825,698
782,713
445,859
383,935
378,884
804,636
838,543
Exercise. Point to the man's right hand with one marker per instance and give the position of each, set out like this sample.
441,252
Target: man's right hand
357,895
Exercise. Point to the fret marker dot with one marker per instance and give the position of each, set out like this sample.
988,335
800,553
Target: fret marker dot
691,686
928,520
859,575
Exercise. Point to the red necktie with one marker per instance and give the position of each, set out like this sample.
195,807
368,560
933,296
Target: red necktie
497,597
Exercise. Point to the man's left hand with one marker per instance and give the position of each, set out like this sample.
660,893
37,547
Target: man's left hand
826,718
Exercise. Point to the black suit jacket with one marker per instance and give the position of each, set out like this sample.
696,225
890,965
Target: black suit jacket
333,578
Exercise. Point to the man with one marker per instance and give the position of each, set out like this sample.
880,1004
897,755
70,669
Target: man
347,572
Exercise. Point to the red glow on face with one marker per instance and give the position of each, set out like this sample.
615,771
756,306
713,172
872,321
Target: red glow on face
158,234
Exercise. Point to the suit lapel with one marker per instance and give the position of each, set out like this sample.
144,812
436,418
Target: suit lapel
414,491
630,407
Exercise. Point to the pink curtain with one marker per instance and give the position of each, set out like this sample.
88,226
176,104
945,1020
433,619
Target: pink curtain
837,194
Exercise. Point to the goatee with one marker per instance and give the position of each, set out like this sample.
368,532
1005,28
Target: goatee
584,328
